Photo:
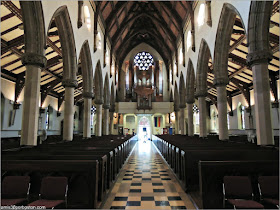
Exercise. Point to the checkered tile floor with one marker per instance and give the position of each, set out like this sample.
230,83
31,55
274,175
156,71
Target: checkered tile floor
146,182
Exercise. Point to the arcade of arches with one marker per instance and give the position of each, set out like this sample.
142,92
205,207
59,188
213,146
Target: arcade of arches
98,68
87,65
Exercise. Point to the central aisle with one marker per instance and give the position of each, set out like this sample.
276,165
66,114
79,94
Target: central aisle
146,182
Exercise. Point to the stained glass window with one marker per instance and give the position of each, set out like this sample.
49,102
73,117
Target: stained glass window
143,60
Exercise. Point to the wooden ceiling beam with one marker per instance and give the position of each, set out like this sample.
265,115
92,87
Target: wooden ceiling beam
54,47
10,29
275,8
13,8
167,6
113,15
12,44
8,16
237,43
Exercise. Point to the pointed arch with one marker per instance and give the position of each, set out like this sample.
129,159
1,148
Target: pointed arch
106,92
222,44
202,69
182,91
87,74
258,32
34,27
190,83
66,35
98,86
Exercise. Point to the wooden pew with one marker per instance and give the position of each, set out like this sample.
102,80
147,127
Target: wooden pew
191,158
82,193
211,175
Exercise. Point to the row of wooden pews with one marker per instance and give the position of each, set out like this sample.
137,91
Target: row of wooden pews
91,166
201,164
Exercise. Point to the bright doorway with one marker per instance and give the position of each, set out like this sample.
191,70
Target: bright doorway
144,129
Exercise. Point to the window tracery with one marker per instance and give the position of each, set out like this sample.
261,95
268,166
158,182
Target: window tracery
143,60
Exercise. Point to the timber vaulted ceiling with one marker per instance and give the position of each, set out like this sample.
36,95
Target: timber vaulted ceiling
157,23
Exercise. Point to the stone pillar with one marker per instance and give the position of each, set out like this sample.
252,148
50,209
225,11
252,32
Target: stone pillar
177,117
30,114
98,129
182,120
259,63
106,120
111,114
190,119
202,116
222,110
68,123
87,114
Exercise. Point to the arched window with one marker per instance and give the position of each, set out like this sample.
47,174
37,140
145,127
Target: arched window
107,57
181,56
93,110
241,116
189,40
143,60
87,17
196,114
228,120
201,15
49,117
214,120
98,41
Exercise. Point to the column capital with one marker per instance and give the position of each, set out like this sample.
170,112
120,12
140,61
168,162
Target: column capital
262,56
98,101
200,93
190,101
70,83
34,59
176,109
218,82
88,95
106,106
182,106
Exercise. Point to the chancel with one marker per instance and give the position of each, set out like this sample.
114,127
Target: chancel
140,104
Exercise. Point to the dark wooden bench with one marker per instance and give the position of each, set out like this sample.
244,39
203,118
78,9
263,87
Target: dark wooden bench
190,159
82,177
211,175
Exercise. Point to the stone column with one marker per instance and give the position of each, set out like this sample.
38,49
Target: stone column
68,123
106,120
98,130
222,110
87,114
177,117
259,63
202,116
182,120
33,63
111,114
190,119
